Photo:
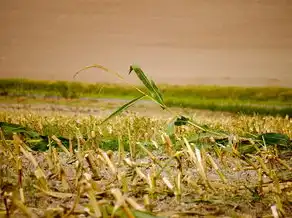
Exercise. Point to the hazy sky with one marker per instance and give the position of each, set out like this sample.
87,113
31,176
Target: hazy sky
240,42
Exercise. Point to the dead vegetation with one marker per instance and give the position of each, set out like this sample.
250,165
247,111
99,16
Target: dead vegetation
137,166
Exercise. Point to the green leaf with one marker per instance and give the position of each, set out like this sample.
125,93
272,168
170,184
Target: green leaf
274,139
181,121
10,128
109,144
34,140
124,107
149,84
40,145
247,149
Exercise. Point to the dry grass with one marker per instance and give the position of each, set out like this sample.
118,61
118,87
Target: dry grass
130,165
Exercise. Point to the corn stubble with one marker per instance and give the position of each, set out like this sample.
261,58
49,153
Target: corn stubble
160,168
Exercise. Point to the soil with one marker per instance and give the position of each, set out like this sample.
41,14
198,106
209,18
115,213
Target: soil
179,42
107,106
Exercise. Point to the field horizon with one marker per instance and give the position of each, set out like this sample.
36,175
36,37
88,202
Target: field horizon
249,100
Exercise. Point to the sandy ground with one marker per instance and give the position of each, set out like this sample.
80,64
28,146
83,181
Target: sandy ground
105,107
240,42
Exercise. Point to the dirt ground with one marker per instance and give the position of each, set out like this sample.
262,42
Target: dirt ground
180,42
105,107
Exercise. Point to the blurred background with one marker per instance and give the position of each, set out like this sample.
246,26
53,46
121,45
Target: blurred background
222,42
